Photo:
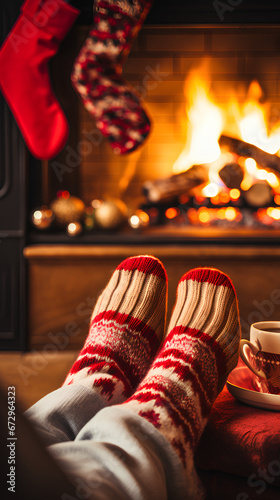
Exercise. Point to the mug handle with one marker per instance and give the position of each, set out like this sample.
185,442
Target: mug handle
244,356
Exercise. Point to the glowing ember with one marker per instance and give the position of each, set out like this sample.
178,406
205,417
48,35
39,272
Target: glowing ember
230,213
210,190
171,213
274,213
204,215
234,194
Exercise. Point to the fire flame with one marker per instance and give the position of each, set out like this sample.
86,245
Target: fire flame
206,121
252,120
204,125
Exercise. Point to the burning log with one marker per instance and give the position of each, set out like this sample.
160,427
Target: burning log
232,175
241,148
259,195
171,187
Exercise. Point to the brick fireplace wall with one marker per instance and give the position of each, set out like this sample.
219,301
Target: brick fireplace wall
157,67
65,280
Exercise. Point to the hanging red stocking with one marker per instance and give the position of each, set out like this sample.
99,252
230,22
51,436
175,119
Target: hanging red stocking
96,75
24,77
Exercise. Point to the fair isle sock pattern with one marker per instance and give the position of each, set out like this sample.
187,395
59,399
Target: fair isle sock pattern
126,329
200,350
97,73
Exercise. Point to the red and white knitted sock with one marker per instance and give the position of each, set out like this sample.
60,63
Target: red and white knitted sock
126,330
96,75
192,366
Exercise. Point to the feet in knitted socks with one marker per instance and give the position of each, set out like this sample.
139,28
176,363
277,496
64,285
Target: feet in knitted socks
126,330
200,350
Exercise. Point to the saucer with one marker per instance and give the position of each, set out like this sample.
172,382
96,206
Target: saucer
240,385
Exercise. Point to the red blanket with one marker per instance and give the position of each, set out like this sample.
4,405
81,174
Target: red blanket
242,441
222,486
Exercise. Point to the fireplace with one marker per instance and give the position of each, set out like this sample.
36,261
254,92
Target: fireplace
240,195
235,56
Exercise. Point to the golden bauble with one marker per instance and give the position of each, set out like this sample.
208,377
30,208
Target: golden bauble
74,228
139,220
67,210
42,218
111,214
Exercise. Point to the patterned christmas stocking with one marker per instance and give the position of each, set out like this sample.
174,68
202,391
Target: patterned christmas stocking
96,75
24,76
200,350
126,330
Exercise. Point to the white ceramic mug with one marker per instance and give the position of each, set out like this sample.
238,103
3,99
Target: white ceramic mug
262,354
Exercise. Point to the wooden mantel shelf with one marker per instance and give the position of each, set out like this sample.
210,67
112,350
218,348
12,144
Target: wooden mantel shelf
169,252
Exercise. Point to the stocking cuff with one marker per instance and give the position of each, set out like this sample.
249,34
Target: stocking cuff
135,10
53,16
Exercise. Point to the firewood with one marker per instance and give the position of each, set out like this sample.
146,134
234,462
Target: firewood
232,175
170,187
258,195
264,160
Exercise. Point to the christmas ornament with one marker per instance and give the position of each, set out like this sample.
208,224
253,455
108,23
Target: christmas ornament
111,214
139,220
42,218
96,74
67,209
74,228
24,77
96,203
89,220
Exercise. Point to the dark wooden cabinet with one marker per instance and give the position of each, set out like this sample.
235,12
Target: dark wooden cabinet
12,214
